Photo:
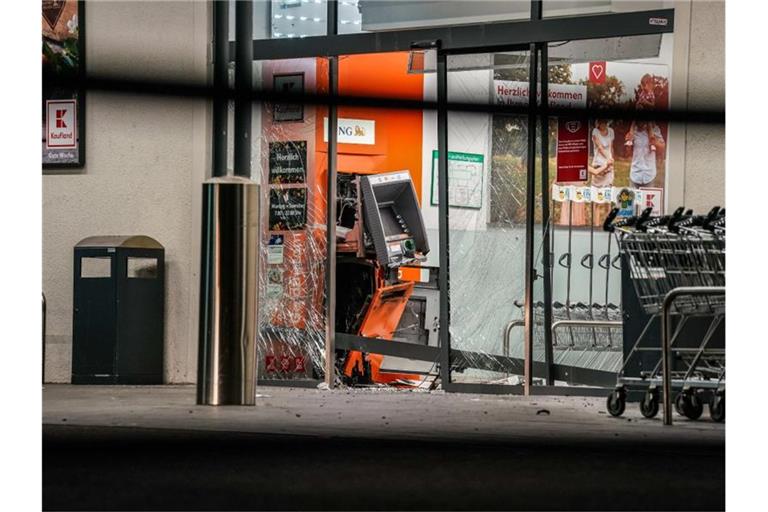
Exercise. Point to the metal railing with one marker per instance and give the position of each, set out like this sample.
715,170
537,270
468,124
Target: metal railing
666,336
555,326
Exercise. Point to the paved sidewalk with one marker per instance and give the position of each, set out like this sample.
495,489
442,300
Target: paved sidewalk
151,448
379,413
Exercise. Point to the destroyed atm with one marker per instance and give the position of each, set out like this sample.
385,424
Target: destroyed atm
380,240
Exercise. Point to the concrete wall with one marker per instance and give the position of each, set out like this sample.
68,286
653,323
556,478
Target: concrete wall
145,160
705,144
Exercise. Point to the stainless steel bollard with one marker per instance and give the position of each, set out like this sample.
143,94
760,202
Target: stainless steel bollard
226,371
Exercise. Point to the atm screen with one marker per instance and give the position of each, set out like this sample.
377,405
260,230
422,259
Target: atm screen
389,221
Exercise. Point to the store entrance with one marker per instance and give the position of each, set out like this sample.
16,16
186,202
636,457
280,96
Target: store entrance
487,170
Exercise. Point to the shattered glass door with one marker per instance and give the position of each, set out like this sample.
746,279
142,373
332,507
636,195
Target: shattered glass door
487,170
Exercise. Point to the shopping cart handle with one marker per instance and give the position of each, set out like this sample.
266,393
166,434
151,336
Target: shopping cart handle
604,262
608,223
678,214
712,217
616,263
590,261
642,221
565,260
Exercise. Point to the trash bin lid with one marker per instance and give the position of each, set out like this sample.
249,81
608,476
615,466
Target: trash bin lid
129,241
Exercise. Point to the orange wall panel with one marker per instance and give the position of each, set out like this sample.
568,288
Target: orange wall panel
398,140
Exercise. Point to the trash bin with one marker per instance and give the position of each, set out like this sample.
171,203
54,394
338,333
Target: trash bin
119,297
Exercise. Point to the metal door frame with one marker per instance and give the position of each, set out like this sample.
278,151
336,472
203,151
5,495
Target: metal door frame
534,33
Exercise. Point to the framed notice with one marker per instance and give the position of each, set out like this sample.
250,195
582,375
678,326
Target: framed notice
288,84
63,123
465,180
287,209
288,162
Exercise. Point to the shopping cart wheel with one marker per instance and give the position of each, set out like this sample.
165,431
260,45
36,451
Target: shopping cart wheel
678,404
689,405
649,405
717,407
617,402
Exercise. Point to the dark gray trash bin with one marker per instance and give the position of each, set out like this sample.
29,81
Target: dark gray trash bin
119,297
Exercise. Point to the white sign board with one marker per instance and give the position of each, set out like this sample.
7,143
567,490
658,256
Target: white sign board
353,131
651,197
61,116
465,180
508,92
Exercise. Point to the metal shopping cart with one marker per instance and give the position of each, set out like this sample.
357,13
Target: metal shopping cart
676,264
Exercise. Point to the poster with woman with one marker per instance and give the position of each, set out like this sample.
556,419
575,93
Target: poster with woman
622,153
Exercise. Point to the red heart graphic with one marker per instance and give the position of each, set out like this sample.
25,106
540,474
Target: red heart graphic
597,72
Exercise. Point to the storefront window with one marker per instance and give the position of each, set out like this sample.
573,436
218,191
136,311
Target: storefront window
290,161
284,19
487,169
596,163
554,8
397,14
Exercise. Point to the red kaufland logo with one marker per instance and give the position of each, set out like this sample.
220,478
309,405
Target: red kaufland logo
61,129
60,118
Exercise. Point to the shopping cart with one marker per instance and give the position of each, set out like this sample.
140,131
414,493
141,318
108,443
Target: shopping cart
680,257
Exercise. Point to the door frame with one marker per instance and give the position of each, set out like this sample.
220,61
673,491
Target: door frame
534,34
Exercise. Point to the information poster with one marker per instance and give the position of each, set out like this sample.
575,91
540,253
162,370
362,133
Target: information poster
288,162
275,282
572,150
465,180
62,123
276,250
287,209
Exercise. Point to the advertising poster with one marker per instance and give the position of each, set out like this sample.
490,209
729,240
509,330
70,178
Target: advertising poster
465,180
572,149
625,202
621,153
287,209
288,162
62,123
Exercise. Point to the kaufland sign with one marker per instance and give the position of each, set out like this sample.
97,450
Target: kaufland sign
508,92
61,131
